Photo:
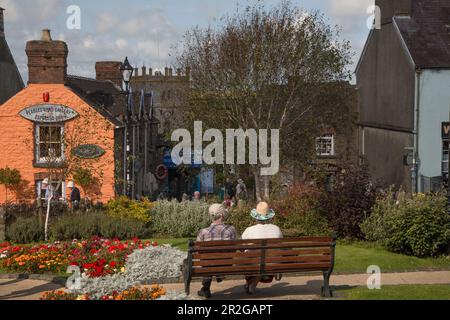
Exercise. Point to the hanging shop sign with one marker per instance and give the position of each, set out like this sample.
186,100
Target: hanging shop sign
445,131
49,113
88,151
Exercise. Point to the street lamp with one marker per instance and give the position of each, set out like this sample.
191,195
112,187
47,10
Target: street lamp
127,73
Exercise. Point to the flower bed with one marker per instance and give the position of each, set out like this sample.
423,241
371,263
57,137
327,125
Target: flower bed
153,293
96,257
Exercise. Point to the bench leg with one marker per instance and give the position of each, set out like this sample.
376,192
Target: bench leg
187,278
326,291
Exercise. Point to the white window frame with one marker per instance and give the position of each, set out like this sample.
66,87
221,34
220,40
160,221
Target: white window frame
39,190
319,143
43,160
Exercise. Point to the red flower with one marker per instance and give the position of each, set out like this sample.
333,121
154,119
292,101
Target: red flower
112,264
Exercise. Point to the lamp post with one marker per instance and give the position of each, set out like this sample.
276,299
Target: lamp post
127,73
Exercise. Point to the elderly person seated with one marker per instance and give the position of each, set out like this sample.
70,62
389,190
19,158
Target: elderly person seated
217,231
263,229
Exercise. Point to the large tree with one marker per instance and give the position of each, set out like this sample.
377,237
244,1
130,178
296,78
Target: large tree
279,68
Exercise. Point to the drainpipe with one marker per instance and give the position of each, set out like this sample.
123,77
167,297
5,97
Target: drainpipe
416,160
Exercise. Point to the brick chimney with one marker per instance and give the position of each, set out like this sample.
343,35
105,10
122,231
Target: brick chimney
391,8
2,23
109,70
47,60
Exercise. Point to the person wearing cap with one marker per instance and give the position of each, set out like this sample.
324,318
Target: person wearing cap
264,229
218,230
75,197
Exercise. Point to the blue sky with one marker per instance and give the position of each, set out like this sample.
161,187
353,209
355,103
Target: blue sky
146,30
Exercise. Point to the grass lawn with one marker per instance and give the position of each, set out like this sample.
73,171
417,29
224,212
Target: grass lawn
400,292
356,257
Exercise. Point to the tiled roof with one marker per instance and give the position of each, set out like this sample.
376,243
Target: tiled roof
427,33
10,79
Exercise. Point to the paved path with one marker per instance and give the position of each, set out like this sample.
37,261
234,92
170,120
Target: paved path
289,288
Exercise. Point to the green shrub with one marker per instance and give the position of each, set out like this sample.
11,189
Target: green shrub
123,207
294,223
179,220
240,218
419,226
92,224
347,200
25,230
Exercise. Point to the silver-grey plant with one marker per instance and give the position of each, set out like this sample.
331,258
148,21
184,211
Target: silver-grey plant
152,264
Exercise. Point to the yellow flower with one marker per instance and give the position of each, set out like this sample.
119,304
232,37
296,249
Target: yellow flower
122,269
81,297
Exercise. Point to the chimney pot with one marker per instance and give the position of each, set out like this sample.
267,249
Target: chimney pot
46,35
47,60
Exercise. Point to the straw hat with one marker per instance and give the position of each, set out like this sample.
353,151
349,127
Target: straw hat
71,184
263,212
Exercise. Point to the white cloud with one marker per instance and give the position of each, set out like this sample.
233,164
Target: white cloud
349,8
106,22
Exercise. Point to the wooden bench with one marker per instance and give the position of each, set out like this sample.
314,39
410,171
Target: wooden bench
263,257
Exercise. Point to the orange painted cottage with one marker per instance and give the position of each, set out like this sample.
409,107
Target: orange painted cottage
60,125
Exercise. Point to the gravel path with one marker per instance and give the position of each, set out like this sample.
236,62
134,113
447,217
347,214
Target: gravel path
289,288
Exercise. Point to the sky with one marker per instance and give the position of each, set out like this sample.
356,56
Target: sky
148,31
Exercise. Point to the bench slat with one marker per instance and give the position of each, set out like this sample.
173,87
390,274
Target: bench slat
226,262
288,267
258,247
323,251
299,259
224,255
326,240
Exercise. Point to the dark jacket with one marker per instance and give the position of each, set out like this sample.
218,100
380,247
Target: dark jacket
75,195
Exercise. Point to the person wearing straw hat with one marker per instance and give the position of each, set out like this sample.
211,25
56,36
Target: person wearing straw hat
218,230
264,229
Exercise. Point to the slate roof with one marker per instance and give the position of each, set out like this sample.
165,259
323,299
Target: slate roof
427,33
10,79
103,96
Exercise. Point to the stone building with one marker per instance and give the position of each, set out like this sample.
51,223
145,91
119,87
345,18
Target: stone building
10,80
167,90
403,82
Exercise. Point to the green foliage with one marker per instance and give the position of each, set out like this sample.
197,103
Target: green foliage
123,207
92,224
25,230
419,226
179,220
83,177
10,178
297,214
240,218
347,200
